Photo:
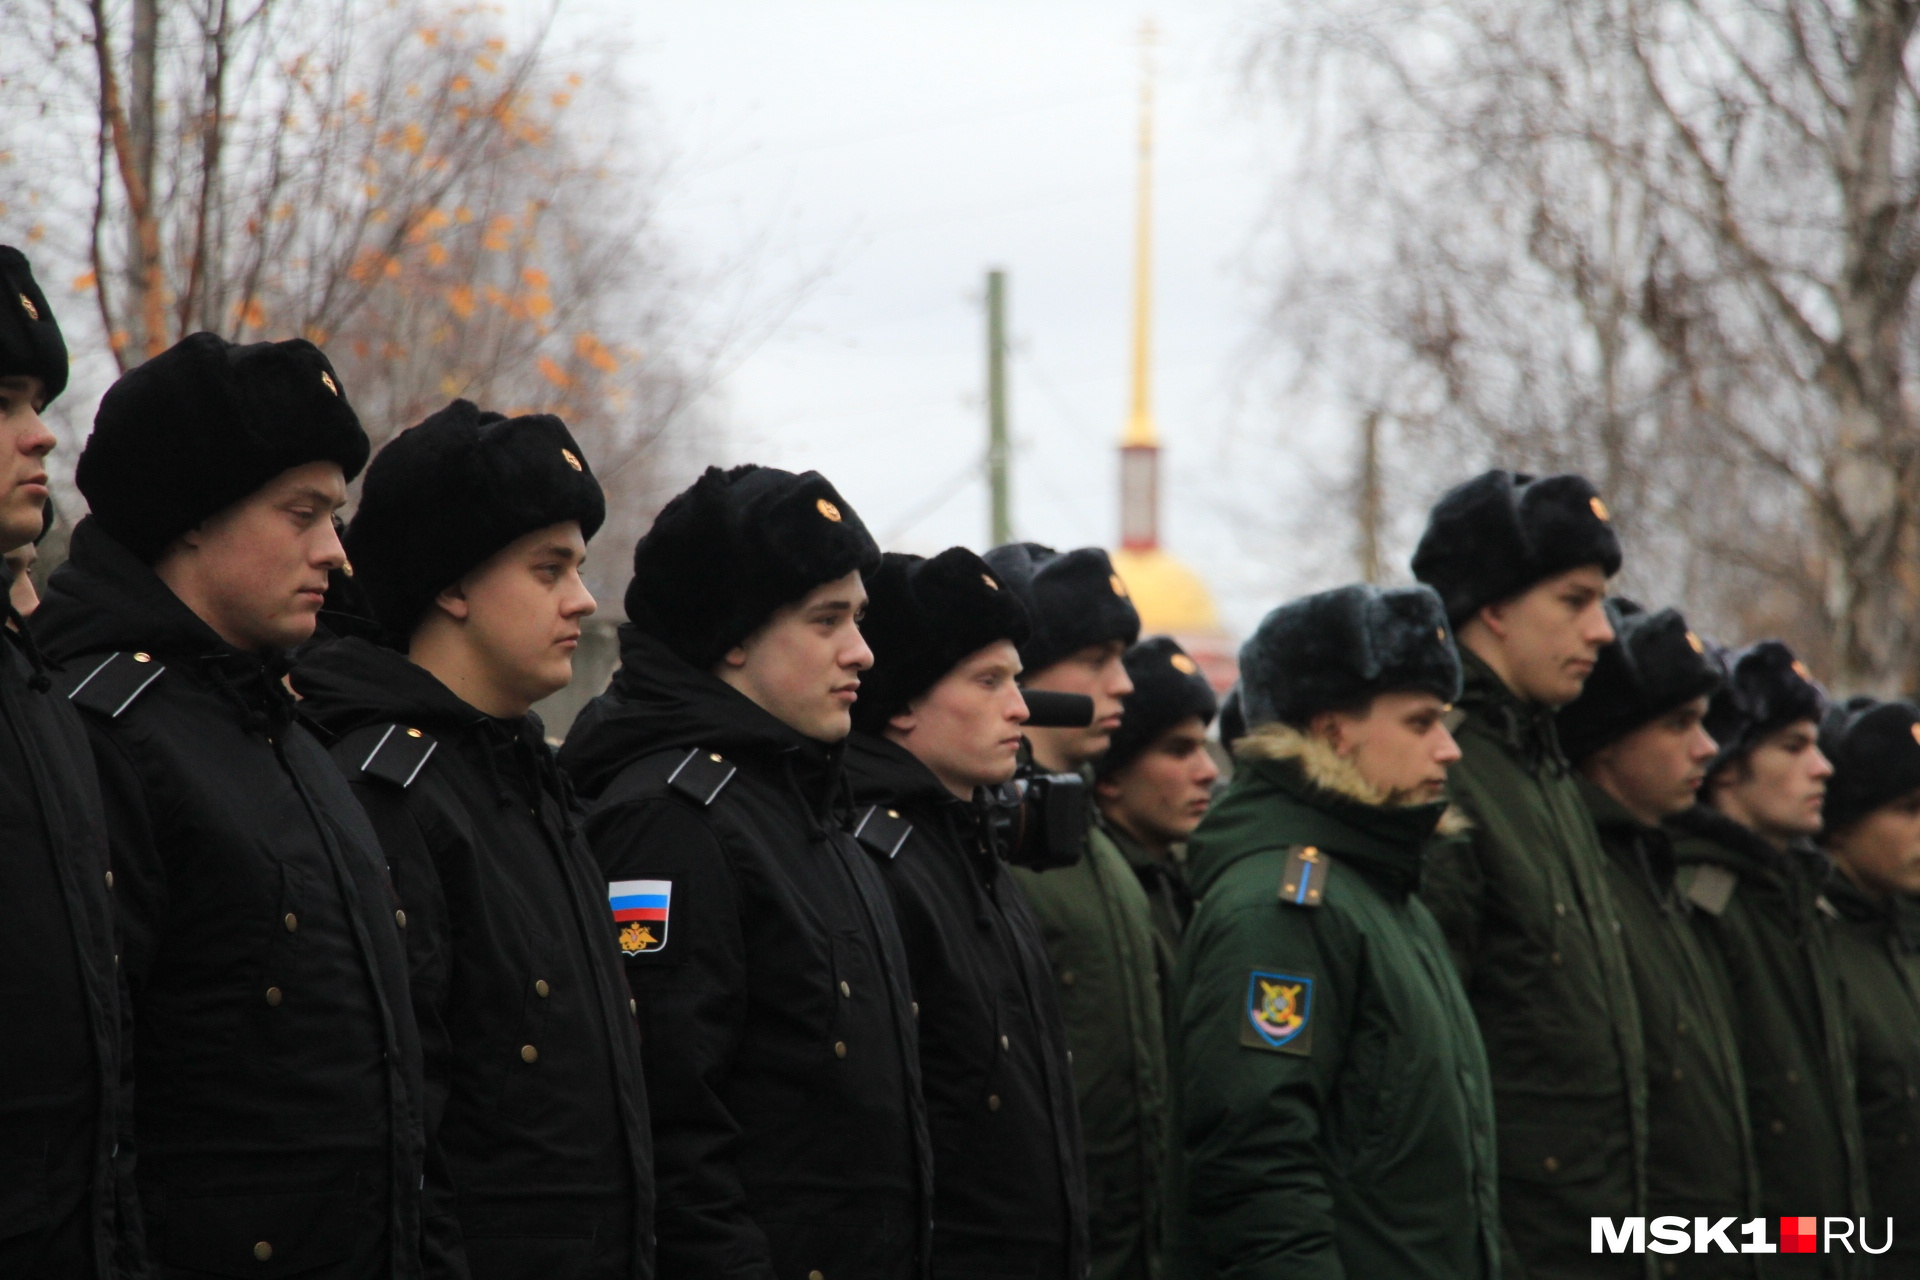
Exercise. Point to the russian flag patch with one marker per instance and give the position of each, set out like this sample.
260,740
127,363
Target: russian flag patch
640,911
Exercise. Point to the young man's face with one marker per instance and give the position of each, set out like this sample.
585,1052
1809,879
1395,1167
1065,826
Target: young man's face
1656,771
257,572
1549,636
25,443
1400,745
1161,795
803,666
1776,790
1881,852
966,728
518,615
1098,672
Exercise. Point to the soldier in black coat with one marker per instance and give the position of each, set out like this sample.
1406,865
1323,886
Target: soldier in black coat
938,723
777,1026
276,1060
66,1188
468,545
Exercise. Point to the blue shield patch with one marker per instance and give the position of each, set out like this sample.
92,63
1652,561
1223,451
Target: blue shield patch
1279,1013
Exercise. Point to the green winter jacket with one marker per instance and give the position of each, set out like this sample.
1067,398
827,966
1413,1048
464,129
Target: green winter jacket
1763,912
1332,1118
1100,936
1700,1159
1525,906
1876,947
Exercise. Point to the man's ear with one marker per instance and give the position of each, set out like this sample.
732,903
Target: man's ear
903,721
453,602
1495,617
1326,727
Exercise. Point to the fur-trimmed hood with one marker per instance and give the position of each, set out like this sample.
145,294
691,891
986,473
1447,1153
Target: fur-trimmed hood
1292,789
1332,772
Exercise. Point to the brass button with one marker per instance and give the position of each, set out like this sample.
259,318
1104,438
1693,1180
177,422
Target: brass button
916,1008
528,1053
1900,1141
1779,1126
1913,1092
1551,1164
540,988
1005,1044
846,991
273,996
993,1102
1066,979
293,922
1555,957
1678,1075
839,1048
1559,908
1680,1029
1669,1268
815,1275
1793,1077
633,1007
109,879
263,1251
1069,1057
400,918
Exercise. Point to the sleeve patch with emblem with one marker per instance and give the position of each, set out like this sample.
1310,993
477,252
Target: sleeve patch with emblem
640,910
1279,1013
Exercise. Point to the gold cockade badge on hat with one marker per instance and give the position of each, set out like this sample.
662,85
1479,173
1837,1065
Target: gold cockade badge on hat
326,380
26,305
1694,641
991,584
1600,510
572,461
1119,587
828,510
1183,664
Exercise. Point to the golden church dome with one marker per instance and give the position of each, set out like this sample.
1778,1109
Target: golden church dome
1170,597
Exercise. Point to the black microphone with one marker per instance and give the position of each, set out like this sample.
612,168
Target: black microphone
1047,710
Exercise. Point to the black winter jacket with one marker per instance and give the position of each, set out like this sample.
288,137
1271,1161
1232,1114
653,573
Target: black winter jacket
776,1023
535,1096
277,1064
66,1187
1010,1195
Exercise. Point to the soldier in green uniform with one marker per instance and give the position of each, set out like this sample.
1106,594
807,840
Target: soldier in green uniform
1522,564
1635,736
1747,861
1331,1115
1094,915
1156,779
1872,816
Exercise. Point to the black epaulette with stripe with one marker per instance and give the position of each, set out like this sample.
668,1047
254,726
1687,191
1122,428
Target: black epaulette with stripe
112,685
1305,880
396,753
701,776
883,831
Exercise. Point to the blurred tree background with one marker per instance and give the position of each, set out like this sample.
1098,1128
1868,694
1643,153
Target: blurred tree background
437,197
1669,243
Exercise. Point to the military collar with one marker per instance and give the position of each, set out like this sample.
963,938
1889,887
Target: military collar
1644,850
1385,842
1717,838
1898,916
1526,729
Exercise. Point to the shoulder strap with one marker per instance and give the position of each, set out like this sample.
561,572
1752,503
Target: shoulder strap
883,831
1305,878
1709,886
701,776
393,753
111,685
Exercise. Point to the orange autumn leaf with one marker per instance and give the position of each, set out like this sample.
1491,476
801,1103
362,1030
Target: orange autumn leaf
460,301
535,277
595,353
85,281
250,314
499,230
552,372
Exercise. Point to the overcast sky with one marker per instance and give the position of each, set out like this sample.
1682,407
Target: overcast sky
884,155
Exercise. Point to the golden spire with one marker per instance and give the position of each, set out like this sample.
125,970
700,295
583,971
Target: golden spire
1140,428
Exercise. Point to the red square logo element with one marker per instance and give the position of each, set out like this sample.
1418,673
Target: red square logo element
1799,1235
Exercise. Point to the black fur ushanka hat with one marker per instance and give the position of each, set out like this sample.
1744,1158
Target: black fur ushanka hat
444,495
734,547
1500,533
923,618
1767,689
30,338
1339,649
1074,599
1168,687
205,423
1874,747
1654,665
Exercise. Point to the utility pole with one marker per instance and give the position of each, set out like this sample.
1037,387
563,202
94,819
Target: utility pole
999,452
1369,497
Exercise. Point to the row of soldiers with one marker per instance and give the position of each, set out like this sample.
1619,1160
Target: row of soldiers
319,960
